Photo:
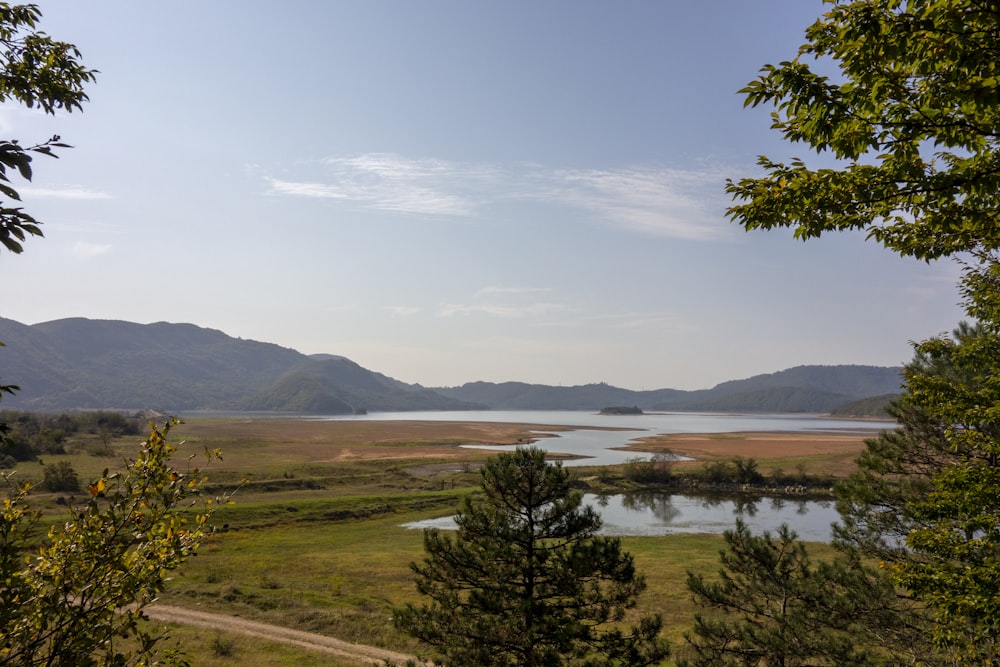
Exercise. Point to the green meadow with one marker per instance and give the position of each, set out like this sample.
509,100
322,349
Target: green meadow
312,538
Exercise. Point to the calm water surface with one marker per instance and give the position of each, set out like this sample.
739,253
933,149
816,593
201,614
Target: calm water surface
596,447
656,513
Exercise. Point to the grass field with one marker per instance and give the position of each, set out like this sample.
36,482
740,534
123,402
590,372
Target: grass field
314,540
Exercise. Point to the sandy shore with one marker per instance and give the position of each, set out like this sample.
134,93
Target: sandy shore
325,441
761,446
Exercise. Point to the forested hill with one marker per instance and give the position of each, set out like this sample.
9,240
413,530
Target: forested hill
800,389
87,364
81,363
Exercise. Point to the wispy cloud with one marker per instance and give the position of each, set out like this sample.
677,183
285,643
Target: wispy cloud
505,311
69,192
87,250
403,311
495,290
318,190
664,202
663,323
658,320
504,302
392,183
649,200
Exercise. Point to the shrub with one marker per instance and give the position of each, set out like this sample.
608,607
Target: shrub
60,476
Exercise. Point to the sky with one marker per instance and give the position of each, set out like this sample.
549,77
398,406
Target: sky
448,191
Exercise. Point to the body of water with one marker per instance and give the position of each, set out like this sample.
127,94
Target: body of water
657,513
598,447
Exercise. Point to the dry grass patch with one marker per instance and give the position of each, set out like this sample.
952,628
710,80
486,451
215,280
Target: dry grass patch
818,453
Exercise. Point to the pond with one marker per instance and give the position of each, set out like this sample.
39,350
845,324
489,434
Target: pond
652,513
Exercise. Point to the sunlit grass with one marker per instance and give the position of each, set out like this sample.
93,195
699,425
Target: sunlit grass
314,540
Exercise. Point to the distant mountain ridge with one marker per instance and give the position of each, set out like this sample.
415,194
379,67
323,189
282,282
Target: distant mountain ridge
799,389
86,364
78,363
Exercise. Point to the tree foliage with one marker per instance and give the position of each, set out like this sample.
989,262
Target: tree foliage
911,116
924,500
526,581
771,605
31,434
37,71
76,598
60,476
950,518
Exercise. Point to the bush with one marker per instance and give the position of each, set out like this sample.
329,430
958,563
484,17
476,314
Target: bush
656,470
60,476
735,470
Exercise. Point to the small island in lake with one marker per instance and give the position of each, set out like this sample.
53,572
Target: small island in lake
622,410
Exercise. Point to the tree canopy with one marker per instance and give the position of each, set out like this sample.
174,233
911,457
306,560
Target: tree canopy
76,596
911,114
903,98
526,581
771,605
37,71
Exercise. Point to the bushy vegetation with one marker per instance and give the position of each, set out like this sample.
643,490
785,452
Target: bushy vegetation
734,470
60,476
656,469
75,596
30,435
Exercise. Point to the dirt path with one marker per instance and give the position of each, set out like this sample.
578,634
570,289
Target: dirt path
314,642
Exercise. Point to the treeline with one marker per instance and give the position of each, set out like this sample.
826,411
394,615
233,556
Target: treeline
24,436
728,475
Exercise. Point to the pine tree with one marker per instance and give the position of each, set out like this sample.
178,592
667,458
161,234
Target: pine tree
526,581
925,502
772,606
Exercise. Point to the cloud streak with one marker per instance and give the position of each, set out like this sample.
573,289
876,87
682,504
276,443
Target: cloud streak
387,182
661,202
70,192
499,310
88,250
658,201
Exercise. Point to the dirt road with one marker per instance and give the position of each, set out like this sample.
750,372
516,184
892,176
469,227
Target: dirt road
363,654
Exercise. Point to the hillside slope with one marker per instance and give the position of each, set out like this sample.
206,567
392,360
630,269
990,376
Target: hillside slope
800,389
85,364
78,363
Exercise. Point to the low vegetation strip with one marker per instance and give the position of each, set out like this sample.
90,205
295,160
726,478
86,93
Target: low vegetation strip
308,640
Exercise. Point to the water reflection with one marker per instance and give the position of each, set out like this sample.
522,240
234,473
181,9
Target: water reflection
659,505
657,513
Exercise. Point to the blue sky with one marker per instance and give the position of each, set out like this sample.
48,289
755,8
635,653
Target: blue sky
449,191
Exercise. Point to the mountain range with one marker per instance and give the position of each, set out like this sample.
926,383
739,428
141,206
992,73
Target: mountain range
79,363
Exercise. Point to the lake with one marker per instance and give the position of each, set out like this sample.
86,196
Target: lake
655,513
597,447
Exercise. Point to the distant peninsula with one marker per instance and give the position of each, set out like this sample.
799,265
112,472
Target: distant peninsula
622,410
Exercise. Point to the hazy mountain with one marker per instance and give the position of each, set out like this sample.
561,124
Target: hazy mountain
337,385
521,396
876,406
800,389
81,363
